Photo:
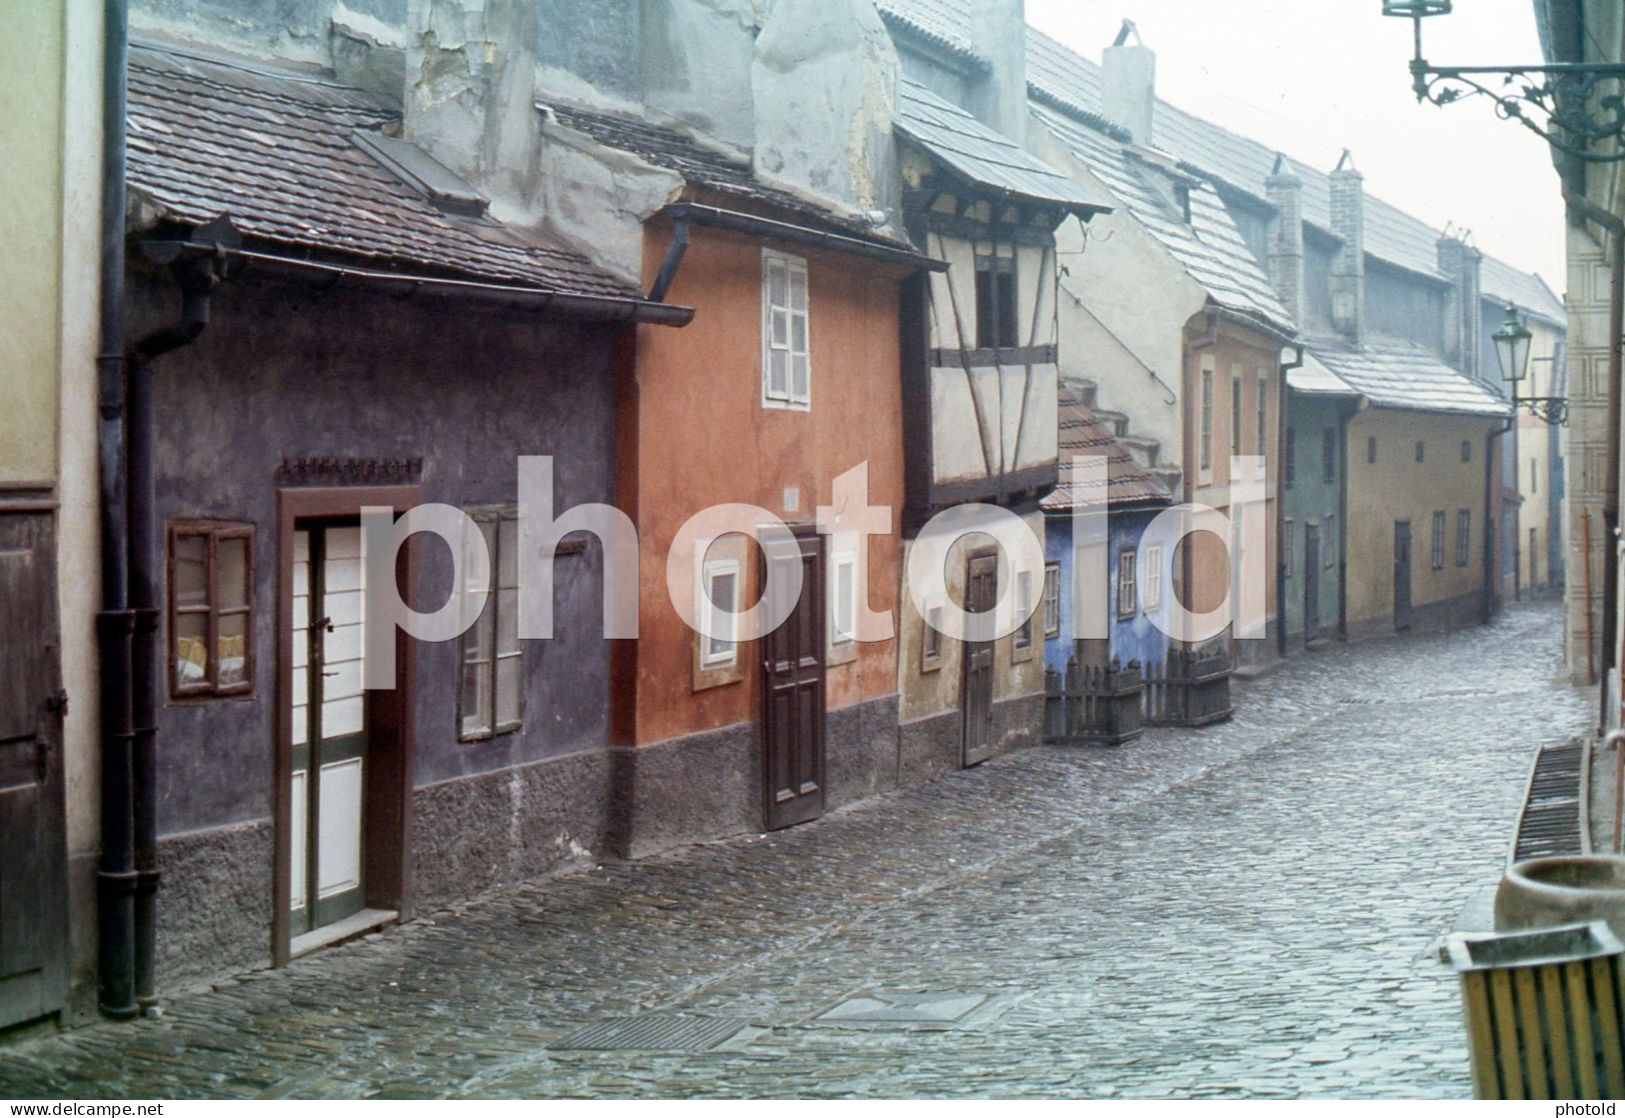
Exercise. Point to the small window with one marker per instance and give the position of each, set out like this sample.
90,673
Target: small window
211,610
1421,450
1127,600
1464,533
1263,415
1466,450
1286,548
1371,450
786,355
1052,599
1235,415
1289,457
931,643
1328,542
1151,592
844,598
1328,454
1437,556
1534,475
1207,419
719,609
996,318
1534,557
491,693
1024,609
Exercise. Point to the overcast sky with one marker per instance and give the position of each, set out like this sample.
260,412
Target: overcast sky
1312,77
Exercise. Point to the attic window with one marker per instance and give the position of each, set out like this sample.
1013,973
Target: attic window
1182,201
423,173
996,302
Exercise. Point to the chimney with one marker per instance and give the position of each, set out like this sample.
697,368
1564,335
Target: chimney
998,29
1348,268
824,87
1129,84
696,59
1459,261
470,98
1285,192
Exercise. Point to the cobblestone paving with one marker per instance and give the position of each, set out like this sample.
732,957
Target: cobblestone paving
1245,910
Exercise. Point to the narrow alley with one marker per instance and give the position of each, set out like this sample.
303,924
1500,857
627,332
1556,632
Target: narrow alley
1246,910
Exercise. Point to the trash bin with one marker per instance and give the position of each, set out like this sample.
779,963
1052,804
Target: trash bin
1543,1011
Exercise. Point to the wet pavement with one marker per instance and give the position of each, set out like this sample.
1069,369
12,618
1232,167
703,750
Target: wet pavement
1249,909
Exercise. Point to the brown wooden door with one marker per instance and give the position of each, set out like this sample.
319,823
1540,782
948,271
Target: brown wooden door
976,700
793,686
1402,574
33,851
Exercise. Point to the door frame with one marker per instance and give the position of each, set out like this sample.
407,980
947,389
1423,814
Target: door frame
387,791
1402,618
818,587
20,501
974,558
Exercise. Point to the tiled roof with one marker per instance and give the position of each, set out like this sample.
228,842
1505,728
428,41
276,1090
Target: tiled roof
1312,378
1061,76
978,154
705,167
273,151
1396,375
943,23
1210,247
1080,433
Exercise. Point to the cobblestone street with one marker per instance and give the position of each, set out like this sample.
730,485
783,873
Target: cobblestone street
1246,910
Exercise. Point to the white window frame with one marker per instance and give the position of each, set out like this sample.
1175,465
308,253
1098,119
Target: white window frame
1022,639
718,617
843,631
795,272
489,522
1128,583
1151,584
931,638
1052,600
1328,541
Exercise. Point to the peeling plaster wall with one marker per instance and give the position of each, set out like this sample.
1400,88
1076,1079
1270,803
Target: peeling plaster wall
470,98
295,30
696,62
824,84
597,198
591,46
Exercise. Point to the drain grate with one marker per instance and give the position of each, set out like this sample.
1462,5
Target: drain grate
654,1032
902,1009
1551,822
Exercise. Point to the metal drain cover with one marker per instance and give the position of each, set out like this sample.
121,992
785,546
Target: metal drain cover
870,1008
655,1032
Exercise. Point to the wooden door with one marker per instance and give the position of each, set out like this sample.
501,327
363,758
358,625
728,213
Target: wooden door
976,701
1311,580
1402,574
329,720
33,852
793,690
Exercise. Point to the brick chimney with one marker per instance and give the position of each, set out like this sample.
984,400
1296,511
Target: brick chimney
1460,262
1348,267
998,29
824,87
1129,84
470,98
1285,192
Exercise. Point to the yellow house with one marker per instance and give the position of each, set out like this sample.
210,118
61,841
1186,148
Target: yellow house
50,62
1418,488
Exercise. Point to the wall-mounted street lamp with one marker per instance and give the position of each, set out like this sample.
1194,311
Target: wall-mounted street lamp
1512,351
1571,105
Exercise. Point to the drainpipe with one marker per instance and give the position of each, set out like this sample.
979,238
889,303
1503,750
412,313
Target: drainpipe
197,277
115,870
1280,508
1192,380
1489,514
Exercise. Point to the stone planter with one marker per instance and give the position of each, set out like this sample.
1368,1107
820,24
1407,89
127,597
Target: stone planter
1547,892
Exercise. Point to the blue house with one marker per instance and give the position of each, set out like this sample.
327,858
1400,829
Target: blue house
1138,591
